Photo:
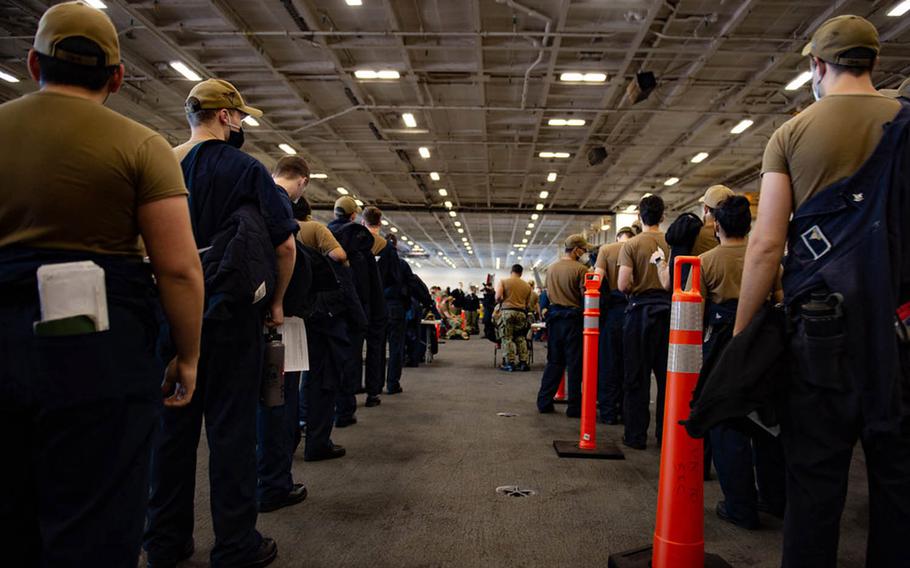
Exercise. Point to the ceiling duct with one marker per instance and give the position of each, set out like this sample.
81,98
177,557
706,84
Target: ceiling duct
641,87
597,155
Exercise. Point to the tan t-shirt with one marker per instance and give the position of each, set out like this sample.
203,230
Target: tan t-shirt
75,173
316,235
566,282
378,244
704,241
607,257
828,141
534,301
636,254
516,293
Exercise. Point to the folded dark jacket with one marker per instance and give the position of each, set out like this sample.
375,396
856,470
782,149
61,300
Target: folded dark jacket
748,375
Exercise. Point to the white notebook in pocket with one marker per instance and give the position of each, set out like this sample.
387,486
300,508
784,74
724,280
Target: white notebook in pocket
73,289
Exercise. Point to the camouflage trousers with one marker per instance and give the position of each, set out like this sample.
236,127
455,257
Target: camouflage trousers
513,325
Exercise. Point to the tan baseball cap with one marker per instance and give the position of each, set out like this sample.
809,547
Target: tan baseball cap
347,204
841,34
578,241
903,91
77,19
213,94
716,194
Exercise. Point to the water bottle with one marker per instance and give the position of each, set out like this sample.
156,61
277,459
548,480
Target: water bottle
272,390
823,314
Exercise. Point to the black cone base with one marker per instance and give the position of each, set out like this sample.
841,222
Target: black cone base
641,558
604,451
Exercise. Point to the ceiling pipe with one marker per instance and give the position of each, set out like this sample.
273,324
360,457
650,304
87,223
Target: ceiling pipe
542,44
477,208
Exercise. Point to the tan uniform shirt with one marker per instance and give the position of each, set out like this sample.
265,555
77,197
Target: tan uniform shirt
607,258
534,302
566,282
636,254
515,293
75,174
316,235
828,141
705,241
378,244
722,273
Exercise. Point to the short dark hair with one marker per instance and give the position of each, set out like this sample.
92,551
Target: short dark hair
58,72
625,231
302,209
734,215
291,167
372,215
651,210
517,269
855,70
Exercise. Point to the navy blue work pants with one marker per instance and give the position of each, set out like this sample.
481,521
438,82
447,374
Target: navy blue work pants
227,395
645,346
564,356
318,390
278,435
77,419
396,338
610,363
352,378
820,426
374,368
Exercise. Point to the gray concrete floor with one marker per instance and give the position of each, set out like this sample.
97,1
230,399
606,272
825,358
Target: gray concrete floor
417,487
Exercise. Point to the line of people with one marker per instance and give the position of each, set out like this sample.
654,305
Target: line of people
201,248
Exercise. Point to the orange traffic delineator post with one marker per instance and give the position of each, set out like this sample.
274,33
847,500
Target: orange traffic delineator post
679,534
561,397
586,446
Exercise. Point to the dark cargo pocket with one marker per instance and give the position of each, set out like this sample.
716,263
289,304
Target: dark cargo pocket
822,361
74,368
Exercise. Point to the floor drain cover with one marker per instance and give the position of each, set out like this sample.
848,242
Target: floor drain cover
506,414
515,491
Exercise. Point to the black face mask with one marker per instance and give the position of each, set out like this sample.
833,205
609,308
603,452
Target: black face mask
235,138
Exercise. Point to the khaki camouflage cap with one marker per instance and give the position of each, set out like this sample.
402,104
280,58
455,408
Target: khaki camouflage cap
77,19
841,34
347,205
577,241
213,94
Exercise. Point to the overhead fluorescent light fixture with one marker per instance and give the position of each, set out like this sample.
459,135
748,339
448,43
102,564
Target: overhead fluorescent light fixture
457,223
250,120
453,214
460,231
98,4
384,222
605,227
319,176
448,204
539,207
631,208
354,2
566,122
394,229
181,67
699,158
524,241
534,216
424,152
369,74
342,190
799,81
8,78
544,194
551,177
742,126
434,176
409,120
530,225
528,232
576,77
671,181
360,204
558,155
443,191
287,149
900,9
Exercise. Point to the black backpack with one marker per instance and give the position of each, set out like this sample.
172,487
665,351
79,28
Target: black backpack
681,237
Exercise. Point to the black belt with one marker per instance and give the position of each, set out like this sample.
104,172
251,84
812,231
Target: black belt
514,310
